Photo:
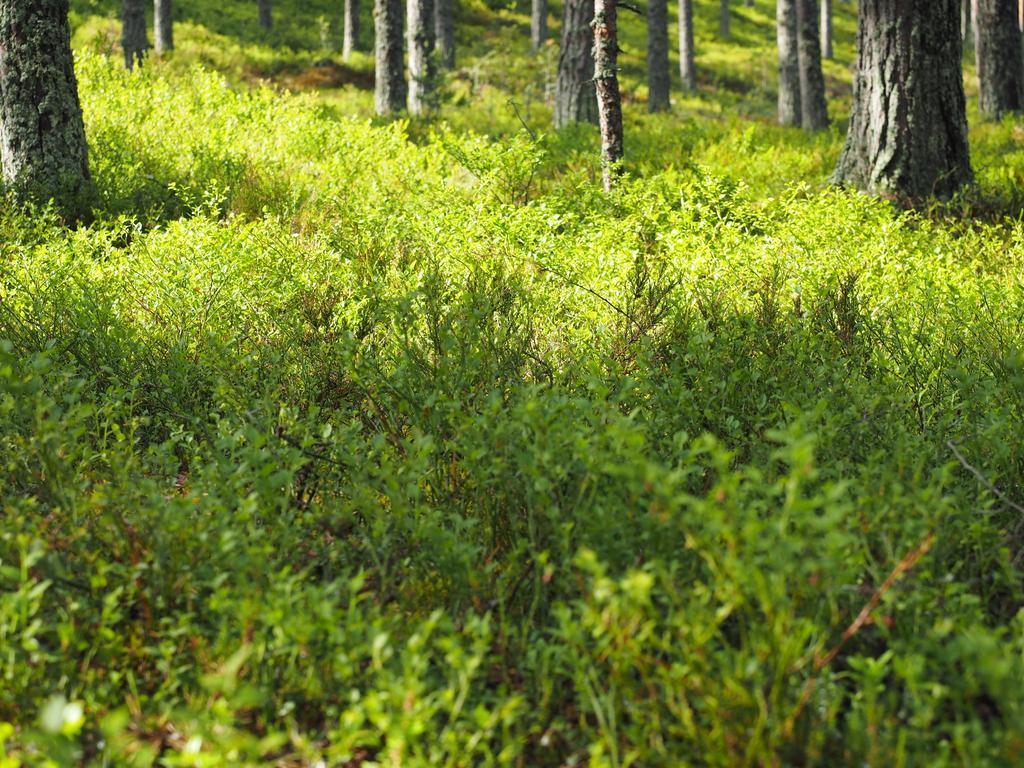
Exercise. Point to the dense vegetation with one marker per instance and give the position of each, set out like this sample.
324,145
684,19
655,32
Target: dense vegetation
341,442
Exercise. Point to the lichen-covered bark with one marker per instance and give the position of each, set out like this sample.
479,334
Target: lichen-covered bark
826,29
606,79
538,23
998,53
42,137
163,26
422,76
723,18
813,107
390,87
658,78
444,31
133,32
787,36
575,96
266,14
908,131
350,37
687,67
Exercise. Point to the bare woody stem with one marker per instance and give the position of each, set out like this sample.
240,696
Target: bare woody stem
606,78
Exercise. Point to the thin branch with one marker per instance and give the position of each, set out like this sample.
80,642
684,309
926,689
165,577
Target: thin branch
984,481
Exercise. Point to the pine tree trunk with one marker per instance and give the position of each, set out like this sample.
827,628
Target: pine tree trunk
908,131
389,73
575,95
606,78
998,51
966,12
350,37
687,67
826,29
813,106
420,32
790,109
723,18
658,79
444,30
163,26
538,24
43,154
133,32
266,13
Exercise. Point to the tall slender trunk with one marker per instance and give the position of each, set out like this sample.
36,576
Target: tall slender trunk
998,52
266,13
826,29
133,32
350,37
420,33
444,32
606,78
813,106
687,67
723,18
389,73
538,23
43,154
790,110
967,22
908,130
163,26
575,95
659,81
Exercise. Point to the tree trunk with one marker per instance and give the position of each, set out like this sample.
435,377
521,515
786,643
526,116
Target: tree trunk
826,29
687,67
43,154
538,24
163,26
575,96
389,75
908,131
658,79
444,30
998,51
723,18
133,32
606,78
813,107
790,110
420,31
966,21
350,37
266,14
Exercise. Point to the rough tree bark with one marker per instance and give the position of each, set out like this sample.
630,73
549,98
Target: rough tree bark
389,76
723,18
266,13
420,32
826,29
908,131
966,21
42,137
444,31
350,37
790,110
575,96
687,67
163,26
813,106
659,81
606,78
133,32
998,53
538,23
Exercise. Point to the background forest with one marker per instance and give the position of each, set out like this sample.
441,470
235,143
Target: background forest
337,439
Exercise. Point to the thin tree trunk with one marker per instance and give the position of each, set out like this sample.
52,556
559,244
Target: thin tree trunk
350,37
826,29
687,66
389,73
998,51
42,136
908,131
966,21
163,26
790,110
266,13
609,102
538,24
575,95
658,79
749,3
133,32
444,31
420,32
813,106
723,18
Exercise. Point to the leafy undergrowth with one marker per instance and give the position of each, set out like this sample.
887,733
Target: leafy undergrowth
325,446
